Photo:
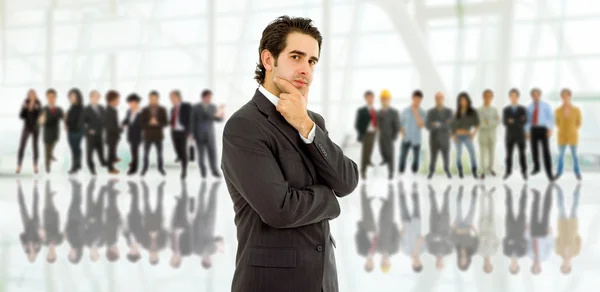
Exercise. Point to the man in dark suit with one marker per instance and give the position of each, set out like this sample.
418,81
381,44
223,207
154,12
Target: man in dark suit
366,127
134,130
180,128
204,241
153,120
113,130
514,118
366,233
514,244
388,123
50,119
202,127
93,123
283,172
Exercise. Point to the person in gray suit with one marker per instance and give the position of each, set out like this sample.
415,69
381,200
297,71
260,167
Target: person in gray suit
283,172
202,128
438,122
388,123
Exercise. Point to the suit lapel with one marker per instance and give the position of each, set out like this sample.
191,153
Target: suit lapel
284,127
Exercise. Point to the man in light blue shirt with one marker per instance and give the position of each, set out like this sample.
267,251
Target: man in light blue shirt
540,122
412,121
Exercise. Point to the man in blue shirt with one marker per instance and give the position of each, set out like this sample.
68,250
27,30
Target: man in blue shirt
540,121
412,121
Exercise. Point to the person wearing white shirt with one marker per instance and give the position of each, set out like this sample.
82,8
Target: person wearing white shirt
365,125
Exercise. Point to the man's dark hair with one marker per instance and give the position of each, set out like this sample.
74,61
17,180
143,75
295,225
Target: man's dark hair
487,91
177,93
369,92
205,93
534,90
111,95
274,39
50,91
514,90
154,93
417,93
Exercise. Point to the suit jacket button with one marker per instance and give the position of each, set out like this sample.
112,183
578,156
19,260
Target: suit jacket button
319,248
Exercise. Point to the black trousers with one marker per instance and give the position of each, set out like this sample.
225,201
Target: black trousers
24,136
539,136
159,154
134,148
435,148
510,146
48,154
112,153
94,144
209,145
179,139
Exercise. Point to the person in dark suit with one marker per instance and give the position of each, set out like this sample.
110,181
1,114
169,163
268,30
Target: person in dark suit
180,233
388,124
50,121
93,123
180,128
94,217
514,118
31,237
366,233
52,235
204,114
112,128
283,172
112,223
388,241
366,128
153,223
75,228
204,241
30,112
133,230
153,120
438,121
134,130
514,244
439,239
74,124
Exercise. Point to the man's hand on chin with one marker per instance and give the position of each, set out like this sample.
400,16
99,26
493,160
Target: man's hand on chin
292,106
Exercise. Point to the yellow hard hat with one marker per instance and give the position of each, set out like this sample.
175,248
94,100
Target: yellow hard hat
385,94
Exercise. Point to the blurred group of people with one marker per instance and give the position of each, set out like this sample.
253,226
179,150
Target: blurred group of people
464,236
191,232
534,123
101,125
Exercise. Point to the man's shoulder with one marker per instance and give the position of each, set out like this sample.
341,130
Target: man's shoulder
245,115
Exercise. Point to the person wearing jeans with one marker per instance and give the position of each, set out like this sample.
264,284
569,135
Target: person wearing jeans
568,241
74,123
464,128
568,122
412,121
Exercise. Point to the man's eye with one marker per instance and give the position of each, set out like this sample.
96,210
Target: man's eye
295,57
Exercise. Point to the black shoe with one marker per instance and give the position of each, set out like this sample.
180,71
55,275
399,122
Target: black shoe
162,171
131,171
430,175
93,171
525,176
448,175
506,176
556,177
483,175
474,172
578,176
183,175
460,173
534,172
216,174
72,171
143,172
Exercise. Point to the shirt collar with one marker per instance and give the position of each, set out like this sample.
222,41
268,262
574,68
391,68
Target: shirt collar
270,96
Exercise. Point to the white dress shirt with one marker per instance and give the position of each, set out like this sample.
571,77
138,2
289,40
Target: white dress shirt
273,99
178,126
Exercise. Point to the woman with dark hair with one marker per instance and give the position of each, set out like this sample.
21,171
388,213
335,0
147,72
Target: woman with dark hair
464,129
74,123
30,112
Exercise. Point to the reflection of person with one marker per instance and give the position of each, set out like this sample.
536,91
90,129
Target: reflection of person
540,241
438,121
75,229
366,127
568,121
153,223
489,120
413,242
53,236
464,128
74,123
412,122
439,242
283,172
514,244
112,223
464,234
540,121
30,112
93,123
204,242
94,220
180,233
153,120
514,119
388,241
31,237
50,121
568,241
388,124
133,230
366,233
488,237
204,114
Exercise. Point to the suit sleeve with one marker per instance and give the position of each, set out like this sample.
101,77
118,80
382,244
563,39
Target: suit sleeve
245,147
429,121
505,117
193,120
336,170
163,119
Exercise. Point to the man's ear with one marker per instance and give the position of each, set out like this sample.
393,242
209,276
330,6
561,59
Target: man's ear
267,60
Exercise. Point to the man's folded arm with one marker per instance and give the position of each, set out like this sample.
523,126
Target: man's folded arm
334,169
249,164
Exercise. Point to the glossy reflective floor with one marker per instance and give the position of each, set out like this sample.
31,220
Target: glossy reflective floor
377,231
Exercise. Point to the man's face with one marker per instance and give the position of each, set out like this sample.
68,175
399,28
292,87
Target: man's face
369,99
566,97
487,98
153,99
51,98
536,96
514,98
439,99
385,102
174,98
115,102
94,97
416,101
296,63
207,98
133,104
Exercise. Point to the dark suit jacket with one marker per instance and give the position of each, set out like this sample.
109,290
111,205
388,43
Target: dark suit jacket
134,127
282,194
52,125
361,123
153,132
516,130
184,117
202,122
93,121
111,124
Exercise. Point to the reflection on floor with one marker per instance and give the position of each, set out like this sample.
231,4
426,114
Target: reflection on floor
157,234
